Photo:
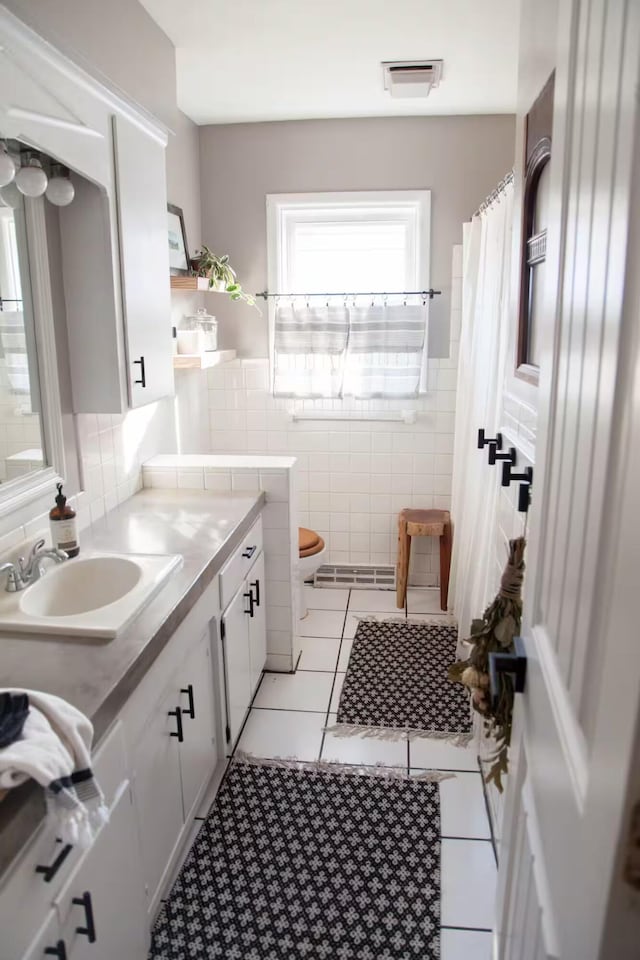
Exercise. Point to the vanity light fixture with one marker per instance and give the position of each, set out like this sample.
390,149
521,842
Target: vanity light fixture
7,166
31,180
60,191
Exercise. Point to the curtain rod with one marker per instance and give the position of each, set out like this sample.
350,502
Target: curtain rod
502,186
426,294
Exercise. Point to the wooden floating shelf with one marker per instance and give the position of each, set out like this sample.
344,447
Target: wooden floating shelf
201,284
202,361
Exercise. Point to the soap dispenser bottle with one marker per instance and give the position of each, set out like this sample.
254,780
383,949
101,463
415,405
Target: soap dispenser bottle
64,525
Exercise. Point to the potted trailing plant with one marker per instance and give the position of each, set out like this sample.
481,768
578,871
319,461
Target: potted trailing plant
220,274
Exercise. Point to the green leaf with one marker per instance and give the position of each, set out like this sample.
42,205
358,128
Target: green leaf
232,287
236,296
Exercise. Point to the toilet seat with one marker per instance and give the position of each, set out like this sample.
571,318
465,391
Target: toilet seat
309,542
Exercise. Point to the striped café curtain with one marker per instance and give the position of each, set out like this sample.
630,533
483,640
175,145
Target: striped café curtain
362,352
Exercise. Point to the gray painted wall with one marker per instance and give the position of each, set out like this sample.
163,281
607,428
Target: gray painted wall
116,40
460,159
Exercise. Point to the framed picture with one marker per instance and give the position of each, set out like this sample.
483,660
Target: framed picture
178,249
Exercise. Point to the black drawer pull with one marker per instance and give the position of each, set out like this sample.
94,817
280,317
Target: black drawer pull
190,711
177,713
256,586
249,597
59,951
50,871
143,378
249,552
89,930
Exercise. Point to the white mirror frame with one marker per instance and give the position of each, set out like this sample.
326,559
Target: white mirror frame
24,490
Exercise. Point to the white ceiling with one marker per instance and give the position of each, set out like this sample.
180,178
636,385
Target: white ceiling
252,60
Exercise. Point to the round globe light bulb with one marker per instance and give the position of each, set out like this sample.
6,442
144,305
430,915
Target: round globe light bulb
31,178
7,167
60,190
11,196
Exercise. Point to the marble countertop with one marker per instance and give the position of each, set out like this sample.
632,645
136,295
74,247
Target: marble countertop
98,676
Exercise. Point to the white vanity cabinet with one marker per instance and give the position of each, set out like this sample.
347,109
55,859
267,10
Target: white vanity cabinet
102,907
244,629
171,728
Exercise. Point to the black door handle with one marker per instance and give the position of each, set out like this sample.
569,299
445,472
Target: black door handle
256,585
89,930
512,663
190,711
59,951
143,379
50,871
249,596
249,552
177,713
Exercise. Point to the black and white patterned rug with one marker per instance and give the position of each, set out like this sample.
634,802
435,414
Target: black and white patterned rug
298,862
396,684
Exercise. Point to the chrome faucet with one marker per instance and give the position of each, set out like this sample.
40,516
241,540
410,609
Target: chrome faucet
27,572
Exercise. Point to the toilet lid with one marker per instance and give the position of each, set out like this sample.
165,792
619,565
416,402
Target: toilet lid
307,539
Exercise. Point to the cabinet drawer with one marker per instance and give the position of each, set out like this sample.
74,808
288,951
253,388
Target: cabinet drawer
30,887
238,565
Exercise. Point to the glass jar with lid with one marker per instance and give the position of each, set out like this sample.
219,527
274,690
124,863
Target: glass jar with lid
204,322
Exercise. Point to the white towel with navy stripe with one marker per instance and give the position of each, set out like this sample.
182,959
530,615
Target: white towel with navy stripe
46,739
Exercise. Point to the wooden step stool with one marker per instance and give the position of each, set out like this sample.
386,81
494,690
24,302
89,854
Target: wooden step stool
423,523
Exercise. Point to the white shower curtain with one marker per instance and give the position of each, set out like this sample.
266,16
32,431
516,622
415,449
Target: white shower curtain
484,340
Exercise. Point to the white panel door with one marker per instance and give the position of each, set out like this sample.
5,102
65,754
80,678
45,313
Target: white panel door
257,622
574,725
198,751
144,259
102,909
237,664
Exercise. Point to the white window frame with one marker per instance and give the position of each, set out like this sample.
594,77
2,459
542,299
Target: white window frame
285,209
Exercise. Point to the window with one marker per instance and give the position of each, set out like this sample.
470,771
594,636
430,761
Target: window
343,326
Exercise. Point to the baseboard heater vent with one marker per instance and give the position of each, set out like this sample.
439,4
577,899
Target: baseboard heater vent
364,576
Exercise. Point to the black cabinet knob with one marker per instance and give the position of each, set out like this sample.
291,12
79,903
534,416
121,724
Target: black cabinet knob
249,552
514,664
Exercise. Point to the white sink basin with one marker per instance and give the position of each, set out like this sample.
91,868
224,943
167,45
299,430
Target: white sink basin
92,596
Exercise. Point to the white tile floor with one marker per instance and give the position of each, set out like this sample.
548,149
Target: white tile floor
288,717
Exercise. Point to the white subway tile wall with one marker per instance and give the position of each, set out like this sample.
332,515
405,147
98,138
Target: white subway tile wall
276,476
354,476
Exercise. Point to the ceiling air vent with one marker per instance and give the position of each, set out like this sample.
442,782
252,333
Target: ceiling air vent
411,78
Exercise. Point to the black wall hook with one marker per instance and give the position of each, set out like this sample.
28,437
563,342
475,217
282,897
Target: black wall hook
507,476
483,441
509,456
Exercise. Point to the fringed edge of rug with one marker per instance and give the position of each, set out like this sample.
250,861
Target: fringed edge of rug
435,619
333,766
344,730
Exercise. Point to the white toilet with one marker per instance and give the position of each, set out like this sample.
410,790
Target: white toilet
312,549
